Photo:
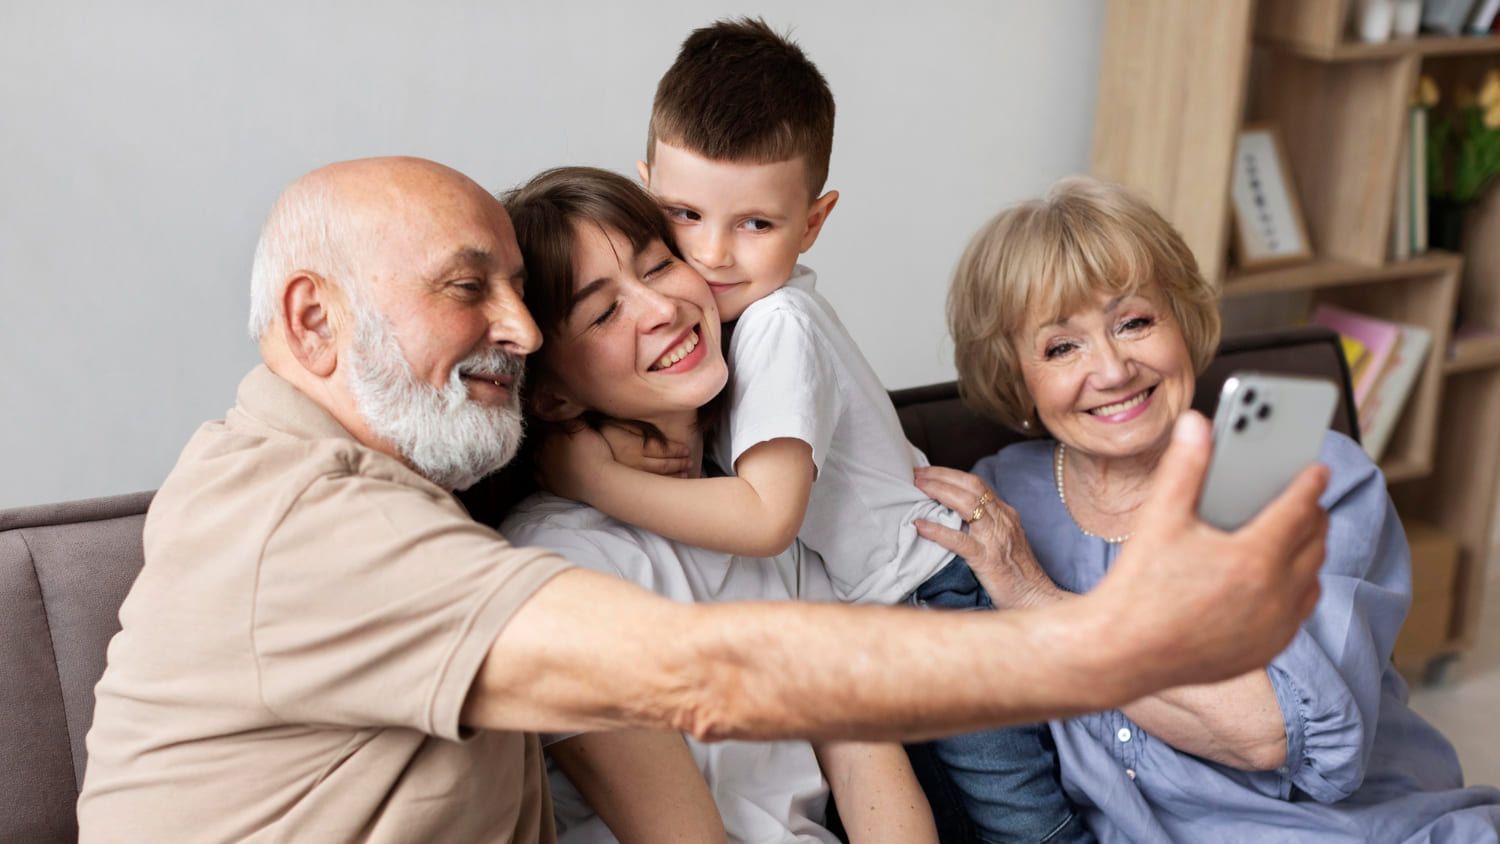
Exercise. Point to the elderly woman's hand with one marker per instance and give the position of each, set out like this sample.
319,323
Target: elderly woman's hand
994,545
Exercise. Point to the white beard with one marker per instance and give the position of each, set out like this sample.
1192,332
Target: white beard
449,438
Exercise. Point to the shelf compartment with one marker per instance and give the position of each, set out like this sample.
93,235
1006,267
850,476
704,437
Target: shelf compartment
1333,272
1473,353
1460,494
1317,29
1423,46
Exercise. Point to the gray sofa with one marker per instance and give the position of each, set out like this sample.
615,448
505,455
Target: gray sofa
65,569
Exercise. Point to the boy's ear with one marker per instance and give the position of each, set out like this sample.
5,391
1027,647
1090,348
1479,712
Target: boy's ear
817,215
552,405
643,170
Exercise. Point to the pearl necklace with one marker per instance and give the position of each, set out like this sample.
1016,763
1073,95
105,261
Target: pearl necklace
1057,473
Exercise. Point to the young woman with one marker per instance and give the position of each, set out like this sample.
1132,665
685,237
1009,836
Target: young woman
633,347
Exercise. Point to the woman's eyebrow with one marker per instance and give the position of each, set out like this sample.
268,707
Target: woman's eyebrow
586,291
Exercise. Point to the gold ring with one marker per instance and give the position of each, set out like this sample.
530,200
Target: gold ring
979,508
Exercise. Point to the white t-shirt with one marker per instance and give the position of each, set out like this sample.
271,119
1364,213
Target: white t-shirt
765,791
795,372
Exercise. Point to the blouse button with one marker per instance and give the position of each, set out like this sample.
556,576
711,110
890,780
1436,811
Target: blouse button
1124,734
1130,772
1281,770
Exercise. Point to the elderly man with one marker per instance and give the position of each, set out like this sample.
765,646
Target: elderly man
323,646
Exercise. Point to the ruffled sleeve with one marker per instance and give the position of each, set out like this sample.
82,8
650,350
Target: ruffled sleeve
1328,681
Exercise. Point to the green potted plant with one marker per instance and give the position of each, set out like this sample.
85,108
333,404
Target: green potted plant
1463,156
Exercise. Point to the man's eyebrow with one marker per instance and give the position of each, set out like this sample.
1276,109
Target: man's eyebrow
467,256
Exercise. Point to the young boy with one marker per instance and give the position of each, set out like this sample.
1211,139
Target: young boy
737,154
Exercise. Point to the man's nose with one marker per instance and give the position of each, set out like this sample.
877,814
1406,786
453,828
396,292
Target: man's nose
511,325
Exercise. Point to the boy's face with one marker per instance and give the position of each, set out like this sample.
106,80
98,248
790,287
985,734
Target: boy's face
741,226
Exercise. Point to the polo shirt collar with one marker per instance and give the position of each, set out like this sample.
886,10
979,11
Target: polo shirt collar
273,401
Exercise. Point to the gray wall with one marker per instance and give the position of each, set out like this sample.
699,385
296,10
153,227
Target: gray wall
141,144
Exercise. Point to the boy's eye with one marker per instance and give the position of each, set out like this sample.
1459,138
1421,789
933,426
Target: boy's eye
682,215
756,224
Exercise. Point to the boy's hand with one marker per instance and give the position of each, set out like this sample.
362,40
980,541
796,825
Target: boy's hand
648,454
569,462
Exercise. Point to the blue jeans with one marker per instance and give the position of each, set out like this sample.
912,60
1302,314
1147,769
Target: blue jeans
1007,779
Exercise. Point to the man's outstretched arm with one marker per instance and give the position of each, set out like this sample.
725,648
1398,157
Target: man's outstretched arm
1184,603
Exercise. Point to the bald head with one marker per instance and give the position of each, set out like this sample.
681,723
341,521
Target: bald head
330,221
388,291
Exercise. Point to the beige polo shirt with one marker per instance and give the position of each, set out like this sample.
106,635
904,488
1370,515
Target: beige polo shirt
296,651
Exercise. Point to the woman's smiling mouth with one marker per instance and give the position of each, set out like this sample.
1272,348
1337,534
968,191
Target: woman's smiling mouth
1124,410
683,355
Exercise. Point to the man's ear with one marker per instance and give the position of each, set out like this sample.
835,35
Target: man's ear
643,170
817,215
551,404
309,323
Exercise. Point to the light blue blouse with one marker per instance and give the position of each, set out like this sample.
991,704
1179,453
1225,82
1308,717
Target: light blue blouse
1361,765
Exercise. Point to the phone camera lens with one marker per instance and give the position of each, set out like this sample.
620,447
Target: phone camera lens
1264,412
1241,424
1249,397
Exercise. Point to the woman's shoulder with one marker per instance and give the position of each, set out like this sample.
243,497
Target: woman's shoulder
1350,468
1018,469
542,518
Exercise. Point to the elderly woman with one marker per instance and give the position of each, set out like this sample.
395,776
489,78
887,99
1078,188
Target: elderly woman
1081,318
633,345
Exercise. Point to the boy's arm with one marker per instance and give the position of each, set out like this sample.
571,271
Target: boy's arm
643,784
877,793
756,513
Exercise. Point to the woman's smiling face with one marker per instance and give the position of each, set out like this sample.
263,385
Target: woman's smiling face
1109,380
641,340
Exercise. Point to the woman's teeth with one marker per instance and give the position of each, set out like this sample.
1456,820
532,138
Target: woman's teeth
1121,407
678,353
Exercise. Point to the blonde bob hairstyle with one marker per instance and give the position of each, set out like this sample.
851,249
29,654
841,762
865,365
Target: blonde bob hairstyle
1055,256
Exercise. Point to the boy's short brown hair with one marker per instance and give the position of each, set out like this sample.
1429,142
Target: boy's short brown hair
1053,256
738,91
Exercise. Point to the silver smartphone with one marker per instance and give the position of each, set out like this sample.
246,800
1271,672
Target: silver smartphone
1267,429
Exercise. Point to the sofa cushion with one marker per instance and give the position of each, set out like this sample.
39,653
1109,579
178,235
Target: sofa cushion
64,571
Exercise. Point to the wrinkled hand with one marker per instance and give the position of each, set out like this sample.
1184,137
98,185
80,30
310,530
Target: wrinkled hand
1193,604
569,459
648,454
994,545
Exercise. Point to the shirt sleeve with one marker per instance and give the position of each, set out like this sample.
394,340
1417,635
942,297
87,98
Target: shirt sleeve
1328,681
783,384
377,602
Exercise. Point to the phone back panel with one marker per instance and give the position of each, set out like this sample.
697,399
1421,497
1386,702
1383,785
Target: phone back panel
1266,430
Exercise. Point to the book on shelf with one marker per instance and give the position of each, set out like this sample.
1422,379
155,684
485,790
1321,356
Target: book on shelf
1446,17
1409,209
1378,418
1482,21
1390,359
1401,207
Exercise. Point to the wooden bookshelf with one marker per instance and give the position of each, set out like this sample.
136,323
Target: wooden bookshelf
1421,47
1178,80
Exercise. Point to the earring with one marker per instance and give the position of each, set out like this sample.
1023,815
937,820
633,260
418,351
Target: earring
1026,424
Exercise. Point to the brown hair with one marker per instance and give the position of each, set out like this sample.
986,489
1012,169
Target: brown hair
738,91
544,212
1052,257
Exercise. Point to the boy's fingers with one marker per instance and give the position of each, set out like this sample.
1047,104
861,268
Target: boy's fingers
1179,474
